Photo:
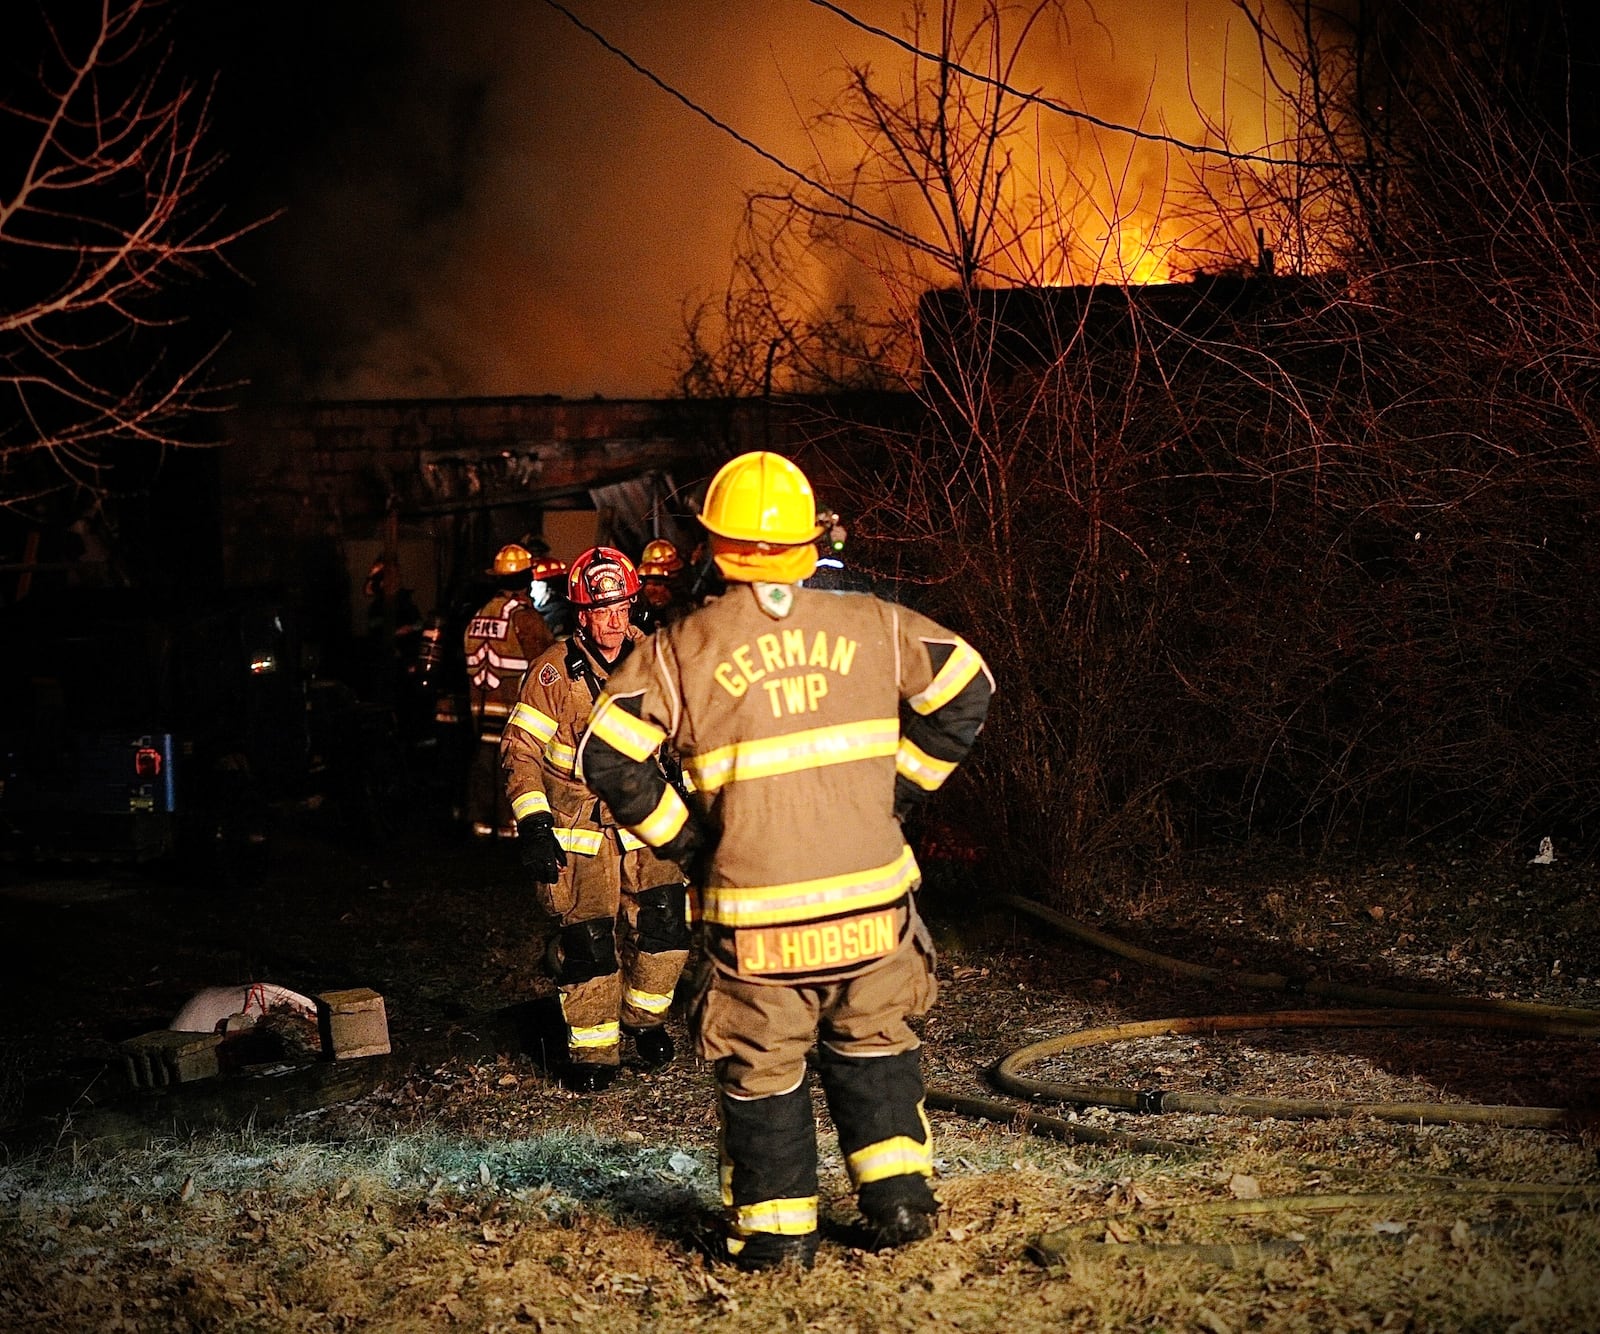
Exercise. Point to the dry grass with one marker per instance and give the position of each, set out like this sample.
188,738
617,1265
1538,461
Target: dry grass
576,1230
485,1197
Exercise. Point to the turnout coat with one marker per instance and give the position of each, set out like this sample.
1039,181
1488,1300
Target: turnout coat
807,722
539,749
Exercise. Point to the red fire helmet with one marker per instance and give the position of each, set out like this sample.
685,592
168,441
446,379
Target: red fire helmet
601,577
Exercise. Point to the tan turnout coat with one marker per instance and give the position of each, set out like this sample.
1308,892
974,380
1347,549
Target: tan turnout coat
785,705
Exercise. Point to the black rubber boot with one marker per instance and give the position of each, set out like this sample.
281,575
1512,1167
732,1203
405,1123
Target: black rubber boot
587,1077
898,1224
769,1250
769,1152
876,1103
654,1046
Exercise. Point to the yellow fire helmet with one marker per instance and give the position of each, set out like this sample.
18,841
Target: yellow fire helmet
659,559
512,559
763,498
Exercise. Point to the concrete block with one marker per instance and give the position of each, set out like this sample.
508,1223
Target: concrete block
153,1060
354,1023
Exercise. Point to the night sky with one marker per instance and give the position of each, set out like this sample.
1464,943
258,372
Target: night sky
480,200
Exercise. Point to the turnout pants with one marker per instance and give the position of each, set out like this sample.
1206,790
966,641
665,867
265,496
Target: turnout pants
869,1061
621,945
488,806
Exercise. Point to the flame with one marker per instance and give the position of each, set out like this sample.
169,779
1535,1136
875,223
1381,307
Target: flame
1142,255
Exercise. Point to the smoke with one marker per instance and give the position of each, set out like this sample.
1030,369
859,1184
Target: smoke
499,206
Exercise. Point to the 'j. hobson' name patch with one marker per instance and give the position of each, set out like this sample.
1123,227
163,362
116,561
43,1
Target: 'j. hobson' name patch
799,949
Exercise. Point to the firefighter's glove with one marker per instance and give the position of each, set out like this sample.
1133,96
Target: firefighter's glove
691,850
537,846
907,797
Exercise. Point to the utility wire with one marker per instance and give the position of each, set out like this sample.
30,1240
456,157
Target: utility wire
1061,108
882,224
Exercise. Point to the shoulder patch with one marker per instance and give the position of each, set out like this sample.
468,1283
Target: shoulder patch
548,675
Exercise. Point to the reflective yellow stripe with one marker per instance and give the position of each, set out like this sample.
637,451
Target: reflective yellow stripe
920,767
530,803
897,1157
620,730
663,823
601,1035
531,721
649,1001
585,841
788,1218
805,900
798,750
631,842
561,756
959,668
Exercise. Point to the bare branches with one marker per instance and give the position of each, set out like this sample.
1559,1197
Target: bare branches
102,221
1304,545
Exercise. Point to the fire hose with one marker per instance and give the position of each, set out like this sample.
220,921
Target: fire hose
1398,1009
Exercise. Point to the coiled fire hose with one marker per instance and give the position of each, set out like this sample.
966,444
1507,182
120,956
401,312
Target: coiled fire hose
1400,1009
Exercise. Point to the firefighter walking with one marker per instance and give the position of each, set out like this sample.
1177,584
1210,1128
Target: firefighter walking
623,929
499,643
809,724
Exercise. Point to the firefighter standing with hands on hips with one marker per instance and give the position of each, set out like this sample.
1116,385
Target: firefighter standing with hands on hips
809,724
499,642
590,870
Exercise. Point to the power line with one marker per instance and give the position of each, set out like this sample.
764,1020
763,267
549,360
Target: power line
855,210
1060,108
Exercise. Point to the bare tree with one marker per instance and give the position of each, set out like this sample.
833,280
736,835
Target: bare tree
1302,545
103,225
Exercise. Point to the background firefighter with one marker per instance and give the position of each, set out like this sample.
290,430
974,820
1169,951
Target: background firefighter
590,870
499,643
548,584
662,595
808,723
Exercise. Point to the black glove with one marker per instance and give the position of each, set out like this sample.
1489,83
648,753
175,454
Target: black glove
907,797
691,851
537,846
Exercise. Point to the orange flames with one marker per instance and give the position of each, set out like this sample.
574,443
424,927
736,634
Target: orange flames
596,206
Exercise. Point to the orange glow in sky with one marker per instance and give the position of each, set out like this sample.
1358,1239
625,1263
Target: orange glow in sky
593,207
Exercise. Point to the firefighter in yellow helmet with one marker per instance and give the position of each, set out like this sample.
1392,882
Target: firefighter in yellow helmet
590,871
660,585
549,585
499,643
809,723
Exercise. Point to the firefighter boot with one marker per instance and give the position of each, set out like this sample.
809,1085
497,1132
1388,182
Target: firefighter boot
654,1046
876,1103
769,1250
589,987
898,1211
769,1179
588,1077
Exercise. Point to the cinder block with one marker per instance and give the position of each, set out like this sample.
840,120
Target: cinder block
354,1023
152,1060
